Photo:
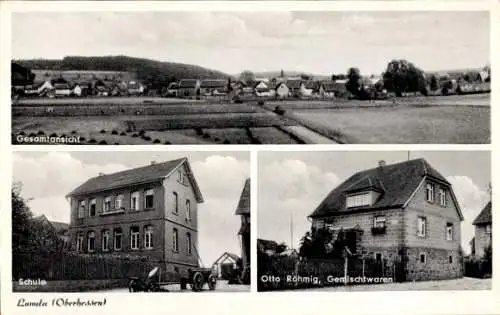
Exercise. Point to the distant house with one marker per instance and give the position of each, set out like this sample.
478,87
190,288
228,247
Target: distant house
295,86
173,89
213,87
135,88
405,215
332,89
225,265
188,87
308,88
282,90
59,229
482,232
267,246
263,89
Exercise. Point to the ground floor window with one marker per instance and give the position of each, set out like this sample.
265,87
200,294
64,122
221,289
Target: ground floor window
423,258
134,237
105,240
118,239
148,237
450,259
79,242
90,241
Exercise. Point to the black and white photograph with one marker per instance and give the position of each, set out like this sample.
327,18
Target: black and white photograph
251,77
374,221
131,222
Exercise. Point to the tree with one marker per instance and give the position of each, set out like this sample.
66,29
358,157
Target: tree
353,81
248,77
434,83
282,74
22,233
403,76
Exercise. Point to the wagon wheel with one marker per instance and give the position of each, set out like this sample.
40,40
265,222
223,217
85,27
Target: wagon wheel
131,286
212,282
197,282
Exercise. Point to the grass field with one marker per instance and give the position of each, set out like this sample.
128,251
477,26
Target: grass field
405,124
141,120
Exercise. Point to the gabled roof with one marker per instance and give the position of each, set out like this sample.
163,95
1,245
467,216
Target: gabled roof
333,87
229,255
59,227
244,203
212,84
484,216
188,83
141,175
293,84
396,184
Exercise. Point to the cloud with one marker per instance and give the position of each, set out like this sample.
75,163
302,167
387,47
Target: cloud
48,177
472,200
290,190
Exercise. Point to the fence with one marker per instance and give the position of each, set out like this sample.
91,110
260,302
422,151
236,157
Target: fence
78,267
277,273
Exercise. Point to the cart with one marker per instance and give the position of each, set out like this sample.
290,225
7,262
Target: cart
199,276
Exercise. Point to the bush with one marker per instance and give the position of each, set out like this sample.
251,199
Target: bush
116,143
51,135
32,134
167,142
135,135
22,133
147,138
92,141
103,131
82,139
103,142
142,132
217,139
226,142
260,103
279,110
198,131
123,133
73,132
206,136
114,132
157,141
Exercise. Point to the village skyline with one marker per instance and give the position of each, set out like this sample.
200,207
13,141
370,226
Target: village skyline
318,43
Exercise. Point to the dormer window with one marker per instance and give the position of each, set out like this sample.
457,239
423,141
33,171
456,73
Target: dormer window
358,200
442,197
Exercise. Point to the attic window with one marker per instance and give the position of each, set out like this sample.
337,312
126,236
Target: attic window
358,200
442,197
429,192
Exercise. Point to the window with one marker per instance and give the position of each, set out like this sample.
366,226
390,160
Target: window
429,192
105,240
421,226
449,231
90,241
379,221
81,209
442,197
188,210
118,239
119,202
175,240
450,259
149,199
148,237
423,258
189,245
134,201
358,200
107,204
134,237
79,242
488,229
176,203
92,208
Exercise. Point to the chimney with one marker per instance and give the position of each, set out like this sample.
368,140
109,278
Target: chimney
101,174
153,162
381,163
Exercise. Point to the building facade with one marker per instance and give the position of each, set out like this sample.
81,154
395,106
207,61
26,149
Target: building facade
482,232
149,211
405,214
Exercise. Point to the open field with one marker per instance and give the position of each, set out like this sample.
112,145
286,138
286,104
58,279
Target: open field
437,285
130,120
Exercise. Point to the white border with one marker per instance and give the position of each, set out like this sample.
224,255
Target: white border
411,302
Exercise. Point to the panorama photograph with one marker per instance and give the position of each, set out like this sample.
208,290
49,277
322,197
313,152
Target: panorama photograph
284,77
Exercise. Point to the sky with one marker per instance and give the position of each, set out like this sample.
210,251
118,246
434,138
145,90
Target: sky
292,184
48,176
313,42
